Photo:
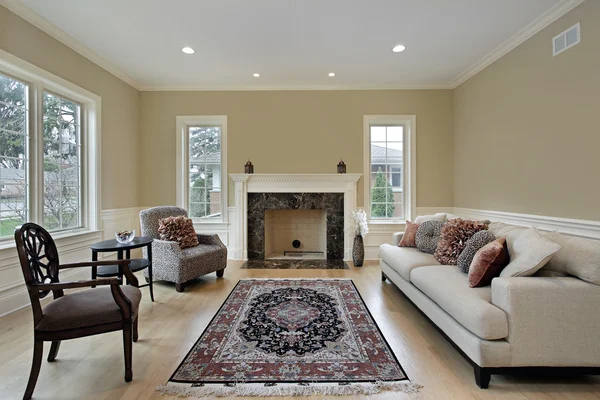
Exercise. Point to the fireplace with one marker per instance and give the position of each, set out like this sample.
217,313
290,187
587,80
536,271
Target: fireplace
256,194
296,234
332,204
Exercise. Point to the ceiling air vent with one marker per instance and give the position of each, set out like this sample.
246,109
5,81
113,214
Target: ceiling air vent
566,39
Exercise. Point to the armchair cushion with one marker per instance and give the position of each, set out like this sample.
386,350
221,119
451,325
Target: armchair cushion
178,229
86,308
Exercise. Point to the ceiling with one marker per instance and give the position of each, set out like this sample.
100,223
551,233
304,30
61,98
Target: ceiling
293,44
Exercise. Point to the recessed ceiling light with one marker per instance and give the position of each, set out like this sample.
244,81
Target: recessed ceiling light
399,48
188,50
332,74
255,75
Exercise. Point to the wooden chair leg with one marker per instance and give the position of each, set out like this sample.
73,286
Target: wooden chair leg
220,273
128,350
36,364
180,287
53,350
135,329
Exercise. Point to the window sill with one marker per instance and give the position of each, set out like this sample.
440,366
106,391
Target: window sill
9,243
390,222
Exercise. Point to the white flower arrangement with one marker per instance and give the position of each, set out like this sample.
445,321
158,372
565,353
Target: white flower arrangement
360,225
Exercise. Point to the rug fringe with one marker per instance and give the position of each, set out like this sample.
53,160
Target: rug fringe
253,390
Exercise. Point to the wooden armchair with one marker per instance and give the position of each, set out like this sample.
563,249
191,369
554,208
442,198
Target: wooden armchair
110,307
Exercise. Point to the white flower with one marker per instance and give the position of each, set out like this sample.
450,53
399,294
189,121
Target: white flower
359,222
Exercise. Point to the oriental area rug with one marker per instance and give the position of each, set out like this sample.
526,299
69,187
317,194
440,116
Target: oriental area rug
290,337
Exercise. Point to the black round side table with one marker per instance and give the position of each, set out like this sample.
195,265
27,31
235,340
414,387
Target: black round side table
134,266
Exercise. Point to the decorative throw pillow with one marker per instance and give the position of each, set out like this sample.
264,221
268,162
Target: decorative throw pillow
453,239
410,234
434,217
476,242
530,252
178,229
428,234
488,263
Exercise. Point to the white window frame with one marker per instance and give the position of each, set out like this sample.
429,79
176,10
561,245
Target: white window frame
183,123
39,81
409,163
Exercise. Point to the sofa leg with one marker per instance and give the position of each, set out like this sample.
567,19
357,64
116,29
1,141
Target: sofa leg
383,277
220,273
482,377
180,287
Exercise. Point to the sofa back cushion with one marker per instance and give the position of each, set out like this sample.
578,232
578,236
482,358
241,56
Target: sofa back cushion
577,256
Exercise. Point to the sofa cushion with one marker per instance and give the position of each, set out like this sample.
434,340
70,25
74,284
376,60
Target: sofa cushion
428,234
453,239
531,251
488,263
476,242
410,234
510,232
405,259
434,217
471,307
577,256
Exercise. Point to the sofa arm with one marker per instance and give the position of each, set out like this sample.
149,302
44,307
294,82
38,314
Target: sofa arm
551,321
396,238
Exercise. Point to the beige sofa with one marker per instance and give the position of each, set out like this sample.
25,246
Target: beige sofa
520,324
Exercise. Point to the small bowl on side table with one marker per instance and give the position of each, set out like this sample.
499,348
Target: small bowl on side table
125,236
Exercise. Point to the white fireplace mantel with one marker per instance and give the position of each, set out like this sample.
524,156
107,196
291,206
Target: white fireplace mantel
290,183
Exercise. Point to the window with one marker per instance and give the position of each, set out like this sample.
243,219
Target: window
389,167
202,177
62,163
14,115
205,171
49,151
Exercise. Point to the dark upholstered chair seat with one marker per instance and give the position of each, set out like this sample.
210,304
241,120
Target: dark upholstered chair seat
86,308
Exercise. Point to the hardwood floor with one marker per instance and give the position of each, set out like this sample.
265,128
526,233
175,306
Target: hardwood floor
92,368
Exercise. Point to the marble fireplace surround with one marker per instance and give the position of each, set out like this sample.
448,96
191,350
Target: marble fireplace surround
290,184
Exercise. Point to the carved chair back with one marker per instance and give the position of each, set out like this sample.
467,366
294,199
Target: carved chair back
39,262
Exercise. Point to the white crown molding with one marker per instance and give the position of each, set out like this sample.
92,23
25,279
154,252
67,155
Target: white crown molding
427,86
41,23
527,32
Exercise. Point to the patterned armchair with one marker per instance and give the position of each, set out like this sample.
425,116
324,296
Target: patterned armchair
173,264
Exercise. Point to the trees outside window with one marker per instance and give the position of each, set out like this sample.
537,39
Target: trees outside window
60,160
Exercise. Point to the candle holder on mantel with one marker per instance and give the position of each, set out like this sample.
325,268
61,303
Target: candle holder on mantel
341,167
249,168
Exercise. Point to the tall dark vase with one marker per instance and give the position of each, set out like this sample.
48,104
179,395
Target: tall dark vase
358,251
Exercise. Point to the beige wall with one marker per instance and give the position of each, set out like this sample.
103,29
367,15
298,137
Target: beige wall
297,132
120,103
527,134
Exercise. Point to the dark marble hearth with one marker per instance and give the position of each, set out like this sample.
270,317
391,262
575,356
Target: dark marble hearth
295,264
332,203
